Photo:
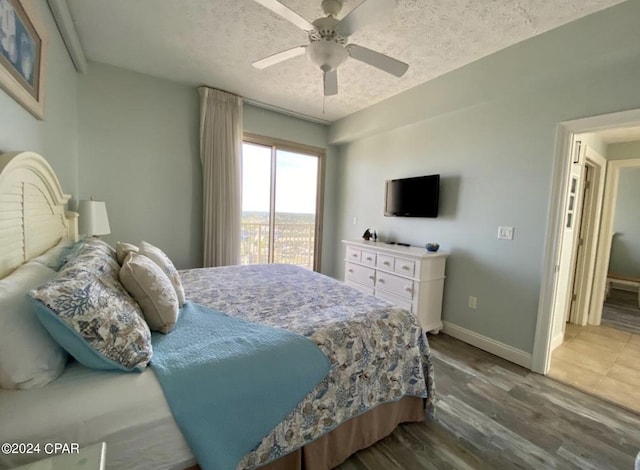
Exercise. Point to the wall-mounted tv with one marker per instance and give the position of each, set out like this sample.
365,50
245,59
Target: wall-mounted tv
412,197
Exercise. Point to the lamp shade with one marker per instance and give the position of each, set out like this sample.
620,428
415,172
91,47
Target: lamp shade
93,218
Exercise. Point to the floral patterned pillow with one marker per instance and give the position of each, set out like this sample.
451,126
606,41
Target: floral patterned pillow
161,259
93,317
152,289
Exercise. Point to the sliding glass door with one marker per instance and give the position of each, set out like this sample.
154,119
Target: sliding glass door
281,203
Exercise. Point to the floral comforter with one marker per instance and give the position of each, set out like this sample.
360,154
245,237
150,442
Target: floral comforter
378,352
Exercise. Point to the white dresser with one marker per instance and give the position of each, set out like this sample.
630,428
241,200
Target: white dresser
407,276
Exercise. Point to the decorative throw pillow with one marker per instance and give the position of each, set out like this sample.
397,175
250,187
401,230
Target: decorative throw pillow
152,289
29,357
94,318
123,249
161,259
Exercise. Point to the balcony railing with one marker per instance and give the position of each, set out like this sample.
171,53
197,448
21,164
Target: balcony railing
293,244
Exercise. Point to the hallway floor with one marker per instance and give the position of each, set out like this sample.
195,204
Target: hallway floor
602,361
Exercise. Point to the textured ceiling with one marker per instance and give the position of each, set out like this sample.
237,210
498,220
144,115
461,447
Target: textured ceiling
214,42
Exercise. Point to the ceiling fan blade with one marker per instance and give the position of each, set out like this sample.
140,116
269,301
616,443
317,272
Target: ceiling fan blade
381,61
287,13
279,57
330,83
366,12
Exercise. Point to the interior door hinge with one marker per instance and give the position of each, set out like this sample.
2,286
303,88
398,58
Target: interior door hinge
574,297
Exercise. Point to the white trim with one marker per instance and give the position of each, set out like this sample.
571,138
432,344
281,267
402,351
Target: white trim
541,347
544,325
556,341
502,350
64,21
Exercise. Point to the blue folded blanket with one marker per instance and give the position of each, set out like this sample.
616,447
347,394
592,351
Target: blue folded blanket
229,382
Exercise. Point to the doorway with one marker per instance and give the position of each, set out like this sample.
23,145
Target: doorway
566,132
281,203
601,359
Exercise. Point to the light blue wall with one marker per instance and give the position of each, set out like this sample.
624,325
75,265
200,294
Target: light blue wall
276,125
625,250
138,152
489,129
56,138
623,151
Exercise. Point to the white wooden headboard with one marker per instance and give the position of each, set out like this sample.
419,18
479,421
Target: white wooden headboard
33,215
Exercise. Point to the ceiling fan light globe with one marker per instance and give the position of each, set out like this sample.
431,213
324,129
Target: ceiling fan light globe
326,55
331,7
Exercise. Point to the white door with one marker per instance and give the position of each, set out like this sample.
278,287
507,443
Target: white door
568,243
595,173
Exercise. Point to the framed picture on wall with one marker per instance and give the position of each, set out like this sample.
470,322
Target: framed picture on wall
23,47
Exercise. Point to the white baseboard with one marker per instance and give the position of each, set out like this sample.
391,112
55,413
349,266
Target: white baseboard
556,341
502,350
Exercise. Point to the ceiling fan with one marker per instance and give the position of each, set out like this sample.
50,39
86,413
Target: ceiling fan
328,47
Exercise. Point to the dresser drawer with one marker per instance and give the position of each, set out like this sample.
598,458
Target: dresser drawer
395,300
385,262
396,285
364,289
360,274
368,258
353,254
405,266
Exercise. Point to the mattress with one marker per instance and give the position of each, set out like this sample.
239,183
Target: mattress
127,411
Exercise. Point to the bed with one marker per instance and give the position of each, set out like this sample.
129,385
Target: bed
380,372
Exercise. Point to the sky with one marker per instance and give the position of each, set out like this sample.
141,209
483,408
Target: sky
296,180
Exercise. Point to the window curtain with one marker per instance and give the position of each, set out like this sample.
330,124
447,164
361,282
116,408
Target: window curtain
221,154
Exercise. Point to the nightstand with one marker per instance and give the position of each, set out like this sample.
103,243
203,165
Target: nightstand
92,457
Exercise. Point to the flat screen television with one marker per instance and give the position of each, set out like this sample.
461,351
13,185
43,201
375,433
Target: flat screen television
412,197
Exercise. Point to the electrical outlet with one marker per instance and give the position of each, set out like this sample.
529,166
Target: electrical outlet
505,233
473,302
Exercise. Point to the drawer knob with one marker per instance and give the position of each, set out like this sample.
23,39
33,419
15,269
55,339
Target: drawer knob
351,270
381,281
369,258
408,289
354,255
405,267
372,277
386,263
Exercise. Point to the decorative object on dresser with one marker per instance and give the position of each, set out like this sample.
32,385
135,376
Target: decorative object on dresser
93,220
406,276
432,246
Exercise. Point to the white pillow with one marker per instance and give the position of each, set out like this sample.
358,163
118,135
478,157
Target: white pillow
161,259
123,249
29,357
151,288
52,258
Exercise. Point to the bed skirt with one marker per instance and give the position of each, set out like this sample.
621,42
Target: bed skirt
358,433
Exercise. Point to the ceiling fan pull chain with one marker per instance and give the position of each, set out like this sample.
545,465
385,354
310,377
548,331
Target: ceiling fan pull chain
324,99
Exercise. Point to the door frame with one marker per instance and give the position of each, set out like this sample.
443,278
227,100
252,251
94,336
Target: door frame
565,133
308,150
606,235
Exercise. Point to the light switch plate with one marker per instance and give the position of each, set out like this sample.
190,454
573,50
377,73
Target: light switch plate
505,233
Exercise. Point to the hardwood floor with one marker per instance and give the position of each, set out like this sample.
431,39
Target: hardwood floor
492,414
621,311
